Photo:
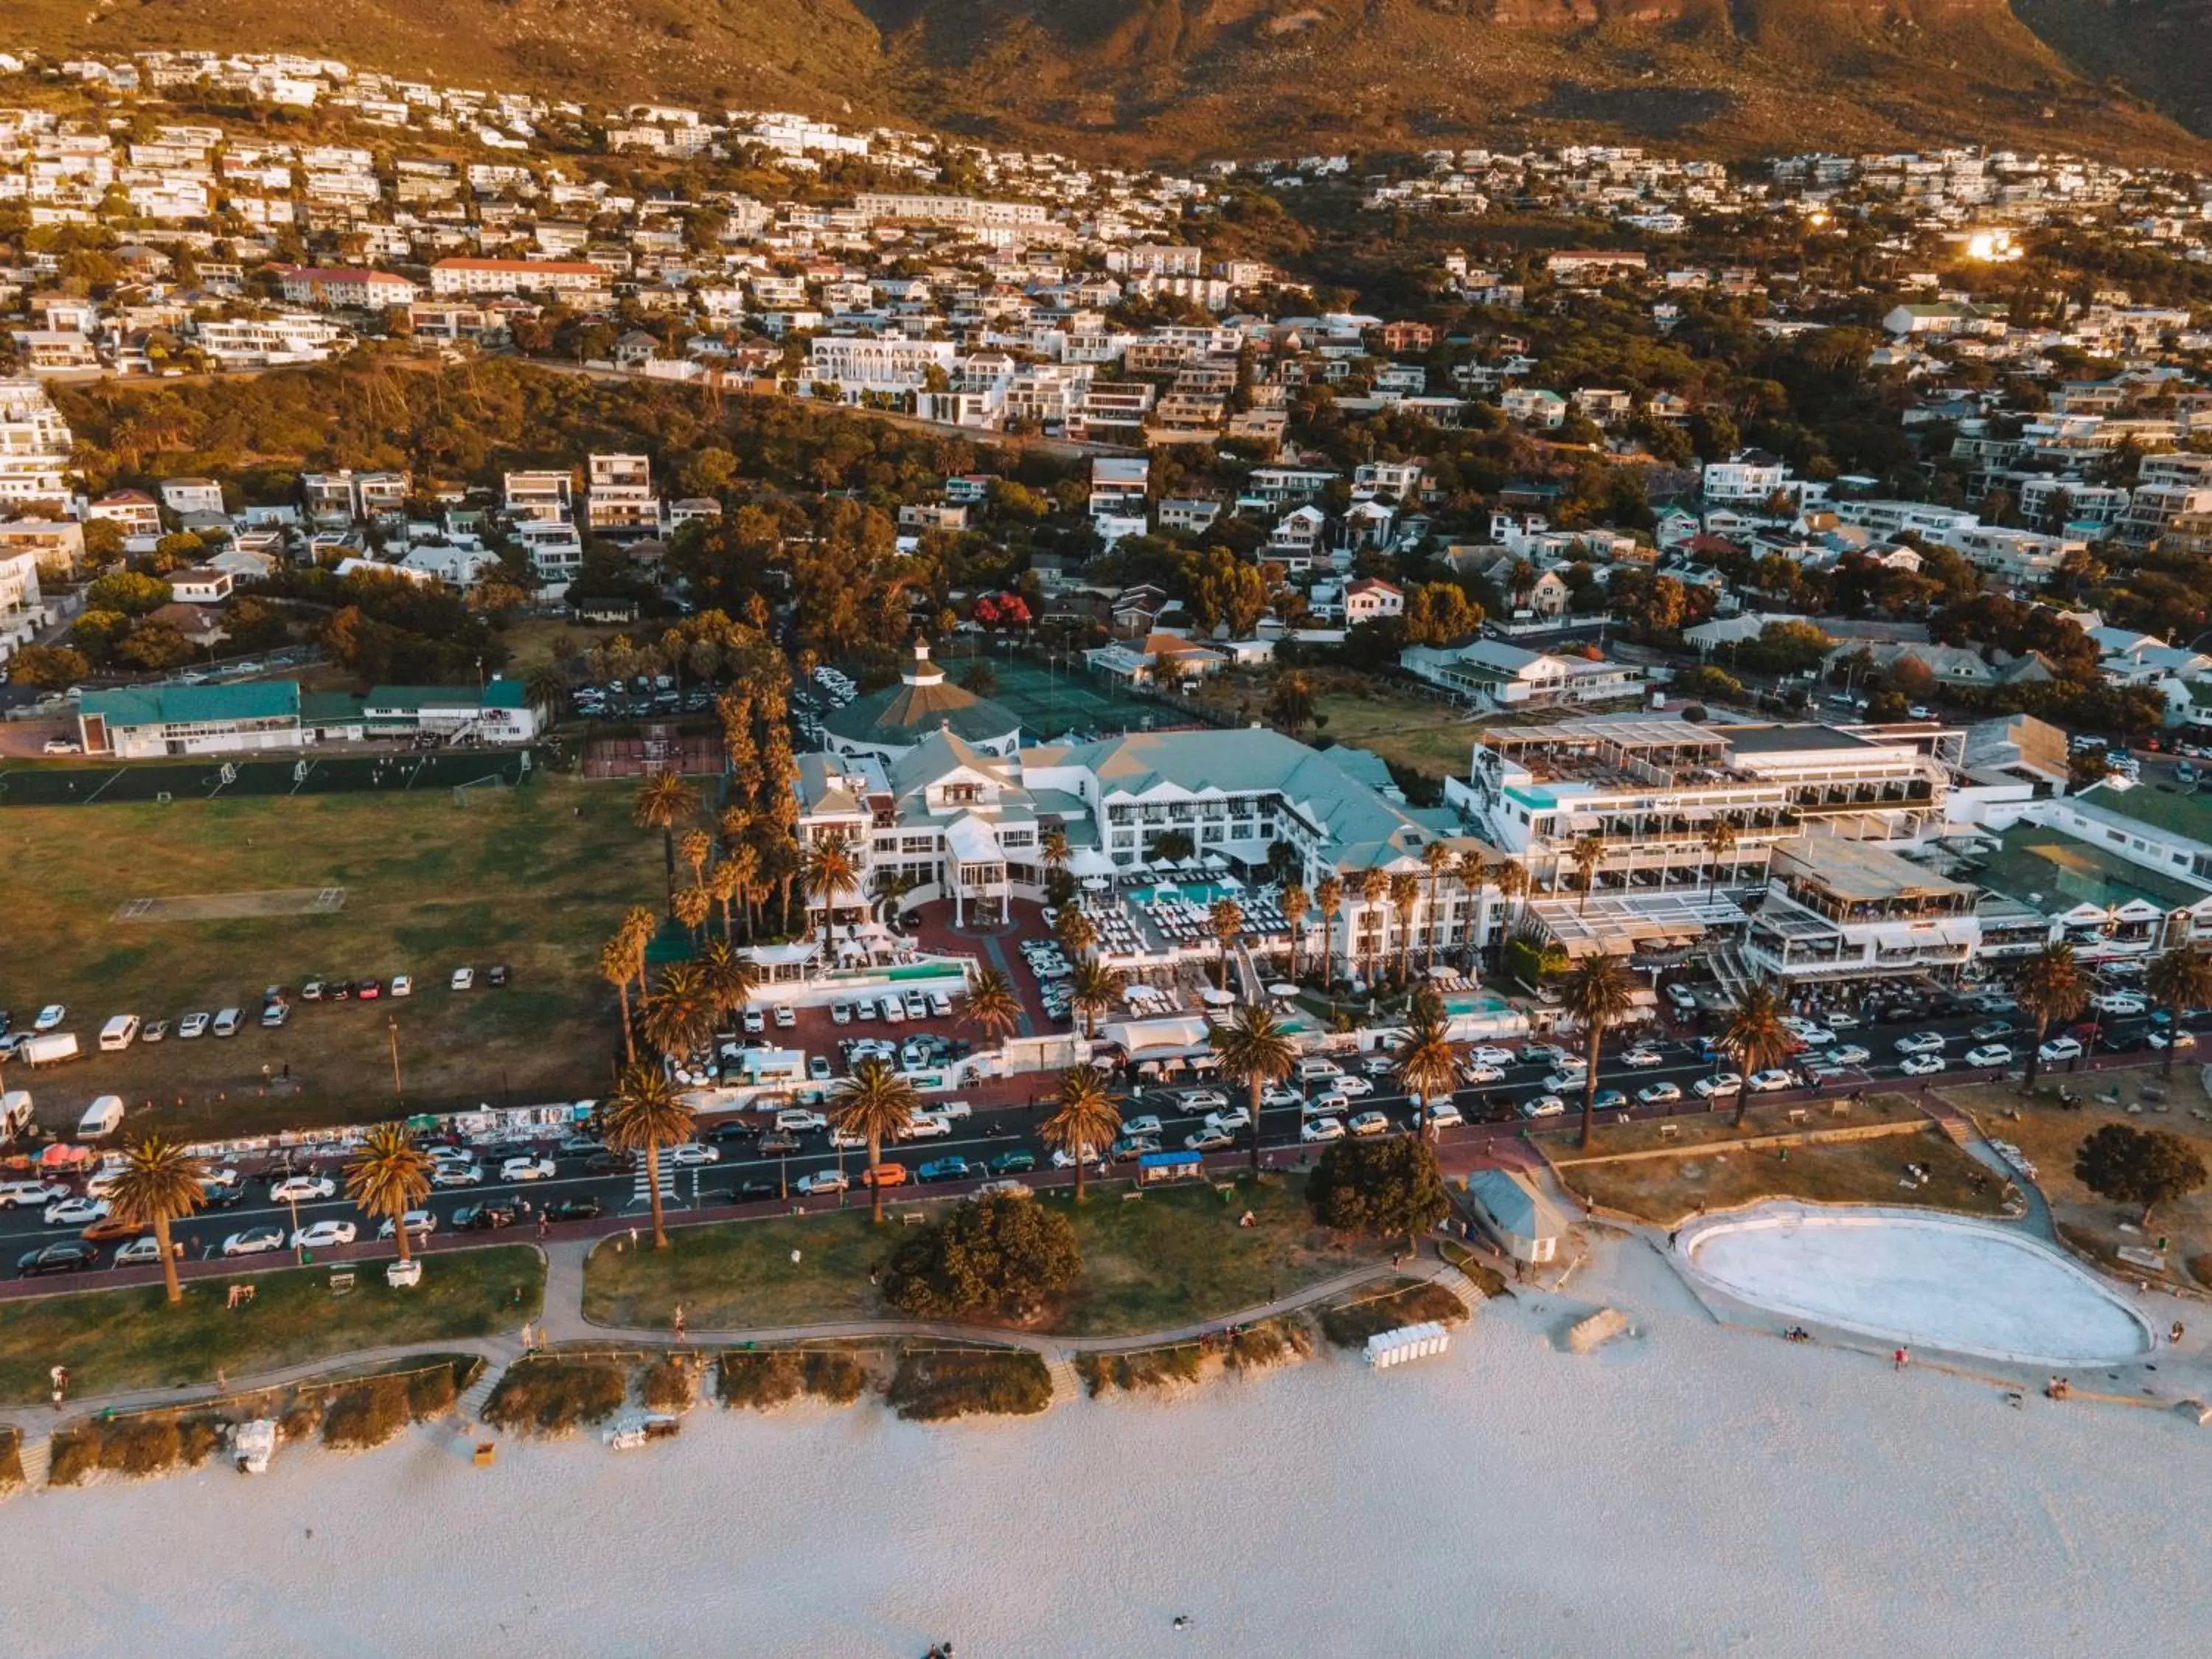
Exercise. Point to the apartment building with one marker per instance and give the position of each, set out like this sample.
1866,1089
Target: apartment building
34,443
541,497
464,276
618,498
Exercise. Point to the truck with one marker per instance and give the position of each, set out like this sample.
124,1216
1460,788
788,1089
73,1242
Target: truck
15,1113
48,1049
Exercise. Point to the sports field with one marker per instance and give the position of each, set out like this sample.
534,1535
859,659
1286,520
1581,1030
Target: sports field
196,905
1056,701
91,783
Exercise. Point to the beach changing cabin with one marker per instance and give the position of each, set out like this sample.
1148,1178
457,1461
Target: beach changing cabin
1516,1217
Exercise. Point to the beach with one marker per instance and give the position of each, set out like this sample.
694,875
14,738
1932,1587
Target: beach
1687,1490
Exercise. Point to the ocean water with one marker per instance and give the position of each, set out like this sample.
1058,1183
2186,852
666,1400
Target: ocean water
1686,1491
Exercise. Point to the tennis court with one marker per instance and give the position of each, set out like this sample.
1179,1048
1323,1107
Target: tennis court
1052,701
211,778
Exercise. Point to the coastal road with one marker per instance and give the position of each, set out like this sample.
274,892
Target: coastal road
741,1180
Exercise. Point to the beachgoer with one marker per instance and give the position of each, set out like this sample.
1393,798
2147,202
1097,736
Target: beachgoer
1671,1236
678,1322
1901,1357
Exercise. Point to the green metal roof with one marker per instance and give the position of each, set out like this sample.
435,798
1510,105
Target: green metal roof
495,694
2054,872
174,705
2176,815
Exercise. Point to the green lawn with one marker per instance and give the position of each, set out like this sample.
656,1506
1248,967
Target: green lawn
118,1341
535,877
1175,1257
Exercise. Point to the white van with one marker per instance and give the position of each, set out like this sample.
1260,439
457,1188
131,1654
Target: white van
118,1033
1314,1066
15,1113
103,1117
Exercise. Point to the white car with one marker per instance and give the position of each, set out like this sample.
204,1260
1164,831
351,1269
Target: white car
1989,1054
822,1181
1843,1020
1277,1094
786,1017
1810,1033
1064,1159
140,1252
1322,1105
1208,1139
49,1017
1720,1082
927,1126
797,1121
254,1240
1202,1100
1640,1057
403,985
1234,1119
1378,1064
1850,1053
2110,1002
755,1022
848,1141
2057,1048
1370,1123
76,1212
1143,1126
1920,1043
1659,1094
446,1172
1322,1128
1482,1073
1923,1065
62,746
1544,1106
193,1025
418,1223
840,1013
1354,1088
689,1154
1441,1115
322,1235
303,1189
2179,1040
1566,1080
463,979
1767,1082
1491,1056
526,1169
16,1193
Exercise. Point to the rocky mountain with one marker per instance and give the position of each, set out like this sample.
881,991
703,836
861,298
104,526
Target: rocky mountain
1186,78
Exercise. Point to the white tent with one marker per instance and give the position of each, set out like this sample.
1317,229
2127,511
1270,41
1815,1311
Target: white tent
1090,861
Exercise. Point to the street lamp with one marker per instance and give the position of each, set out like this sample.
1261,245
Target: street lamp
391,1030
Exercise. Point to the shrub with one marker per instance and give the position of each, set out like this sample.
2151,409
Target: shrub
367,1414
1153,1368
141,1445
667,1385
762,1380
430,1393
556,1396
199,1436
1002,1254
73,1454
11,1458
929,1386
300,1419
835,1376
1270,1342
1385,1187
1350,1324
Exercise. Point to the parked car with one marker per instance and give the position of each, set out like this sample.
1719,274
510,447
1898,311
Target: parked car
526,1169
419,1222
302,1189
1994,1053
72,1255
324,1234
2059,1048
154,1030
883,1175
463,979
1767,1082
1544,1106
1209,1139
497,976
840,1013
403,985
821,1182
1659,1094
1720,1082
1440,1115
49,1017
1369,1123
143,1251
574,1209
1923,1065
946,1169
1019,1160
193,1025
254,1240
1322,1128
484,1218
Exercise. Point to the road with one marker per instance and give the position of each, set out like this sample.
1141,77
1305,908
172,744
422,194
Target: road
768,1185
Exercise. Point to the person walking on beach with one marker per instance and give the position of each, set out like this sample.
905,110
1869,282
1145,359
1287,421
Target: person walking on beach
1901,1358
678,1322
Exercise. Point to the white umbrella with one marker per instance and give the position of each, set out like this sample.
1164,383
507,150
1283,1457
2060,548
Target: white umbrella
1216,998
1285,989
1232,884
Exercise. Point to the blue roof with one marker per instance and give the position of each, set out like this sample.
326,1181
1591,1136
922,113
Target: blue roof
1168,1160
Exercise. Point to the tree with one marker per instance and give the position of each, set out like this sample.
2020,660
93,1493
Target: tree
2149,1167
161,1182
1436,859
727,979
2181,978
617,966
1328,901
1720,840
1597,991
1406,900
664,800
2050,987
1092,988
390,1176
1373,888
131,592
1255,1050
51,665
645,1115
1002,1256
1085,1122
692,907
992,1004
1291,705
1225,918
877,1104
1755,1039
1297,902
1172,846
678,1013
1075,931
831,874
1588,854
1426,1065
1381,1189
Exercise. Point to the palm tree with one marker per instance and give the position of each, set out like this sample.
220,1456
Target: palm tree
679,1011
728,979
645,1115
1596,991
617,966
1374,886
1436,859
390,1177
992,1004
1328,900
1297,902
831,872
877,1104
1091,990
1474,871
722,882
2181,978
1425,1063
1755,1039
664,800
1085,1122
1291,705
1256,1051
1514,882
1224,918
1405,899
743,864
161,1182
2051,988
1587,854
546,688
692,907
1057,852
1075,931
694,847
1720,839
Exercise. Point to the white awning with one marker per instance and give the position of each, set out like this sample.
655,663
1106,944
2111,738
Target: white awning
1090,861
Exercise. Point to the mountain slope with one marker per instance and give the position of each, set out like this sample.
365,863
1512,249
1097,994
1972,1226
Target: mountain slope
1175,78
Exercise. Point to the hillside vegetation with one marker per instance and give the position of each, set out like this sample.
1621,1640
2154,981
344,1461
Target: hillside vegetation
1150,79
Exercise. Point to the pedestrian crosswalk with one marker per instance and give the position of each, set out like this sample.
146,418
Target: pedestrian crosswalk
641,1187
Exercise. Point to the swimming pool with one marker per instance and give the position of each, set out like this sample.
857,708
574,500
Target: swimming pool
1200,893
1483,1002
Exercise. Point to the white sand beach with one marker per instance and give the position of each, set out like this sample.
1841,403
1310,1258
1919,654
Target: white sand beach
1686,1491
